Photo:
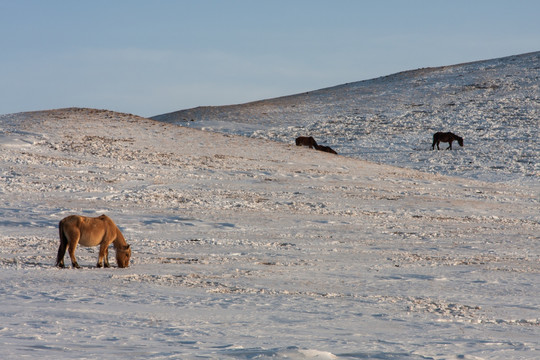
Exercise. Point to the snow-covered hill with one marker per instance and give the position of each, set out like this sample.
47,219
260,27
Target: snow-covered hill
250,249
493,104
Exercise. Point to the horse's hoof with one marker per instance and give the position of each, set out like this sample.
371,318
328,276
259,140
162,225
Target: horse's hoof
76,266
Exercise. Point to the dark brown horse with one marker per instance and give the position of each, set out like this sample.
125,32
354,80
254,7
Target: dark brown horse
87,231
447,137
306,141
327,149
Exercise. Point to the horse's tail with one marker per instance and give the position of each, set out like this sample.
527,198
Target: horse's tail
63,245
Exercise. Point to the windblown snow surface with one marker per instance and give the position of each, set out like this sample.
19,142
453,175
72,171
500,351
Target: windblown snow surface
250,248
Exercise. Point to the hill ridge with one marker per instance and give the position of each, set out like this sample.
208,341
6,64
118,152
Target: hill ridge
178,115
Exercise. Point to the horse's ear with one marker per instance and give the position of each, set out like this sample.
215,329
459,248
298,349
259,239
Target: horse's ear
127,246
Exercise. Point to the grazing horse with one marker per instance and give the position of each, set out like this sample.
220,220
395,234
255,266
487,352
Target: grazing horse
88,231
327,149
306,141
445,137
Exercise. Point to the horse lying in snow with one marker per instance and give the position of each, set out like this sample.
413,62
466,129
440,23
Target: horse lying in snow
306,141
89,231
447,137
327,149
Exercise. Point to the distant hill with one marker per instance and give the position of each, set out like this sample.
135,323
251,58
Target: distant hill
436,90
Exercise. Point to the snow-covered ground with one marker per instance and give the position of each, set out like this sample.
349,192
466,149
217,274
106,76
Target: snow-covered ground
248,248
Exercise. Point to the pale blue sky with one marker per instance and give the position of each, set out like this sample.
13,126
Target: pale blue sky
153,57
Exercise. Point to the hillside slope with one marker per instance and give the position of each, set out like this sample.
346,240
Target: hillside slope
247,248
493,104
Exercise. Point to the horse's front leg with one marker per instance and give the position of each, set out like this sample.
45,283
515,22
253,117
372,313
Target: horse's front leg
103,254
106,258
450,146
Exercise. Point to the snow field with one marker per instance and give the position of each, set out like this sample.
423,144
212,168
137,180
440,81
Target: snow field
248,248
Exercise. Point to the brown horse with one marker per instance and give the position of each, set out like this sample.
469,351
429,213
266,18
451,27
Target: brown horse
306,141
90,231
445,137
327,149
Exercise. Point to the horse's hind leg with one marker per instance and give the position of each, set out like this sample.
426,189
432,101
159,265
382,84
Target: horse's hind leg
61,252
73,237
61,249
71,251
60,256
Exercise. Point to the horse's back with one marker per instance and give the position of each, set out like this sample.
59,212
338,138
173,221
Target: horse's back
91,231
71,220
440,135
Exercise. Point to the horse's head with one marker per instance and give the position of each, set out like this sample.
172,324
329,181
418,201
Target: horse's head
123,254
460,141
